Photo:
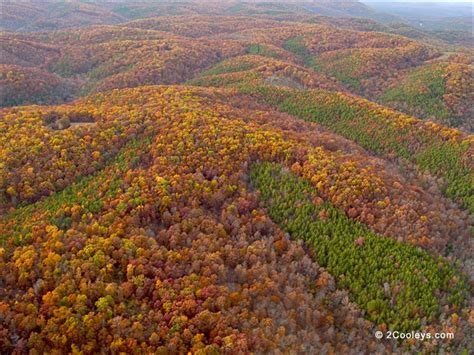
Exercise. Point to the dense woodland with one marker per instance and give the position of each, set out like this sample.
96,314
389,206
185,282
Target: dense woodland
238,178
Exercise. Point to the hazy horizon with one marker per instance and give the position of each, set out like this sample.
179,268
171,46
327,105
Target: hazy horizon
421,1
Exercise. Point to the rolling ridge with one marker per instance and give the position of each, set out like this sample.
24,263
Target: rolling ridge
245,178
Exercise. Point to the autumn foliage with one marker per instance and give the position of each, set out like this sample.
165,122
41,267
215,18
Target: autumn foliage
155,235
232,184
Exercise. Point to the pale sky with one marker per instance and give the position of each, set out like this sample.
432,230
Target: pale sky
415,1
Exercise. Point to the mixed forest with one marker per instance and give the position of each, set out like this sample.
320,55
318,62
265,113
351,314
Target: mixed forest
233,177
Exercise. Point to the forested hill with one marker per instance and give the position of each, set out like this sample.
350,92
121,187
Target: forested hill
232,177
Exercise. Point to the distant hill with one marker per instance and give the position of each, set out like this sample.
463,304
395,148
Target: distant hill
449,21
233,178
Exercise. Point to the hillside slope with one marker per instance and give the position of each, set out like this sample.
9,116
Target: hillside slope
244,178
353,55
172,236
